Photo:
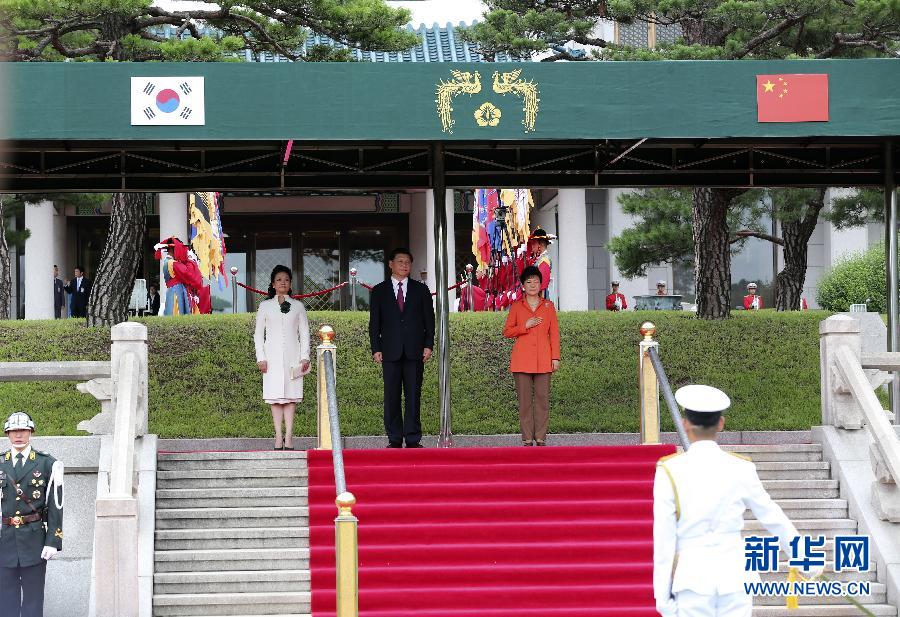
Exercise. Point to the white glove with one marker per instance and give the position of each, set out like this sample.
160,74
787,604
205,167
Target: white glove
48,553
667,609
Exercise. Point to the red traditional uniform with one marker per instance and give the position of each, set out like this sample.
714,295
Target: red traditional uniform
748,302
611,302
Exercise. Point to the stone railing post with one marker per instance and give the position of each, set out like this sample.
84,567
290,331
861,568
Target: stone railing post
116,524
839,408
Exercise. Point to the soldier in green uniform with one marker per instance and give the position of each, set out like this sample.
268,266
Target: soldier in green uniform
31,484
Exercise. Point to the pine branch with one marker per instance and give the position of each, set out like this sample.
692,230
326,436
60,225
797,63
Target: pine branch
749,233
769,34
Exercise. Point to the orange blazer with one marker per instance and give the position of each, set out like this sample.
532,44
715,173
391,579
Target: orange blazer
534,347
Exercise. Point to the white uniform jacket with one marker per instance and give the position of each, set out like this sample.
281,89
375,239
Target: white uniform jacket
697,543
282,340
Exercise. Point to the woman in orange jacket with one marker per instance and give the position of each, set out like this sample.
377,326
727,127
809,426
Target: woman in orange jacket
535,355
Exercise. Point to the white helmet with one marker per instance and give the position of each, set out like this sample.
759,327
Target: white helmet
17,421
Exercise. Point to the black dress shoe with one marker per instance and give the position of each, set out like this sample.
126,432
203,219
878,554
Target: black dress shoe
414,445
395,445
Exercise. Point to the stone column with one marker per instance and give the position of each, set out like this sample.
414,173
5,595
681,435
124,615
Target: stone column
571,271
838,406
39,255
428,263
173,221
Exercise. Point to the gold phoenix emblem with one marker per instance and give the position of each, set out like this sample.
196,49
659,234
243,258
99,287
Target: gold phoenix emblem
465,82
506,83
487,115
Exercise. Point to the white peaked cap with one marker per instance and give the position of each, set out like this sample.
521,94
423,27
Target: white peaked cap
702,399
658,283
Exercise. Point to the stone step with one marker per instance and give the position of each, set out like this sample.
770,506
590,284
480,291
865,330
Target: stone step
802,489
235,581
172,498
274,603
824,610
815,527
799,470
180,461
878,596
222,538
810,508
204,518
781,452
230,478
243,559
870,575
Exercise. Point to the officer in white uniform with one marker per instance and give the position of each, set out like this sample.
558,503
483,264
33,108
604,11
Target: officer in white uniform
699,500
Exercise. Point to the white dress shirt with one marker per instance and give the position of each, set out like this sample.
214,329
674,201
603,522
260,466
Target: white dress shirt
396,283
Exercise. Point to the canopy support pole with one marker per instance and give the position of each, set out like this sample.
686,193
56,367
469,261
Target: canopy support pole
439,186
893,281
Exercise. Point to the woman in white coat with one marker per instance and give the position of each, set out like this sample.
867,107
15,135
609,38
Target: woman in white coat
282,353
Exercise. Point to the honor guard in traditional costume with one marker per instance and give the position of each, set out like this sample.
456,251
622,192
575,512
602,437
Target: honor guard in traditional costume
31,483
539,245
699,500
616,301
752,302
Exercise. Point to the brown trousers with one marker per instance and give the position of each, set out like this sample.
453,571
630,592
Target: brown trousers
533,419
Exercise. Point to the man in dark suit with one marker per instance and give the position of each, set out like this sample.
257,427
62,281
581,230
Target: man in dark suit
32,506
401,332
153,301
80,288
59,294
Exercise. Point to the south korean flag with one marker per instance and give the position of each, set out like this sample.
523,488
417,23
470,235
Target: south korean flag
167,101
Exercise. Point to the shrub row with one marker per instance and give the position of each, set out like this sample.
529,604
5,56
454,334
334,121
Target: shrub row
204,381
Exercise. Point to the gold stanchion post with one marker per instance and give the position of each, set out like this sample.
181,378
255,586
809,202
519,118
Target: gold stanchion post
323,423
649,386
347,556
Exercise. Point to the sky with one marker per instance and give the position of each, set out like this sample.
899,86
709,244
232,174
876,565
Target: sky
423,11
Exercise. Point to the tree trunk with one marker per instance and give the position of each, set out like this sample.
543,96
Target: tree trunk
111,291
712,252
5,269
796,235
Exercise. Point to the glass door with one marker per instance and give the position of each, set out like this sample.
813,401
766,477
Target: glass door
320,262
367,252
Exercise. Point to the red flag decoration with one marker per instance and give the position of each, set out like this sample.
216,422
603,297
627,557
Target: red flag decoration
792,98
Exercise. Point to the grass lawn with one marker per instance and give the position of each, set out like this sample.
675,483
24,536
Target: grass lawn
204,381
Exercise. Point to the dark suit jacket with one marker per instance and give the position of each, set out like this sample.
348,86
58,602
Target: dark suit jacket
153,303
395,333
79,297
22,546
59,296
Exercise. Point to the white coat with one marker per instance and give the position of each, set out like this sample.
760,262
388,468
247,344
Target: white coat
697,524
282,340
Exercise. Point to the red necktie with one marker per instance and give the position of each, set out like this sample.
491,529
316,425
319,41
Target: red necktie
400,295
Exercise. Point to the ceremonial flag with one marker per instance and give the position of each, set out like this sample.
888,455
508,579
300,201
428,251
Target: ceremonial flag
167,101
792,98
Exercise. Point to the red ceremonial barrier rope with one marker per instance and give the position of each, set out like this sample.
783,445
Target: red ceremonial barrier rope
298,296
433,293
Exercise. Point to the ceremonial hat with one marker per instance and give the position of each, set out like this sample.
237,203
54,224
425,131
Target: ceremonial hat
751,286
658,283
702,399
614,283
540,234
17,421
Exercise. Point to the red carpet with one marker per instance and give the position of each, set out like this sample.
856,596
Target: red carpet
492,532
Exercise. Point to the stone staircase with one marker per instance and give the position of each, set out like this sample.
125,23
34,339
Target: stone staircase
800,481
232,535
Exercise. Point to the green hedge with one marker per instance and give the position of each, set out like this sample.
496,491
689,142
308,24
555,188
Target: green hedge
204,381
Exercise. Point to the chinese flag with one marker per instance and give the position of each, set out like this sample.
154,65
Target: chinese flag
792,98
